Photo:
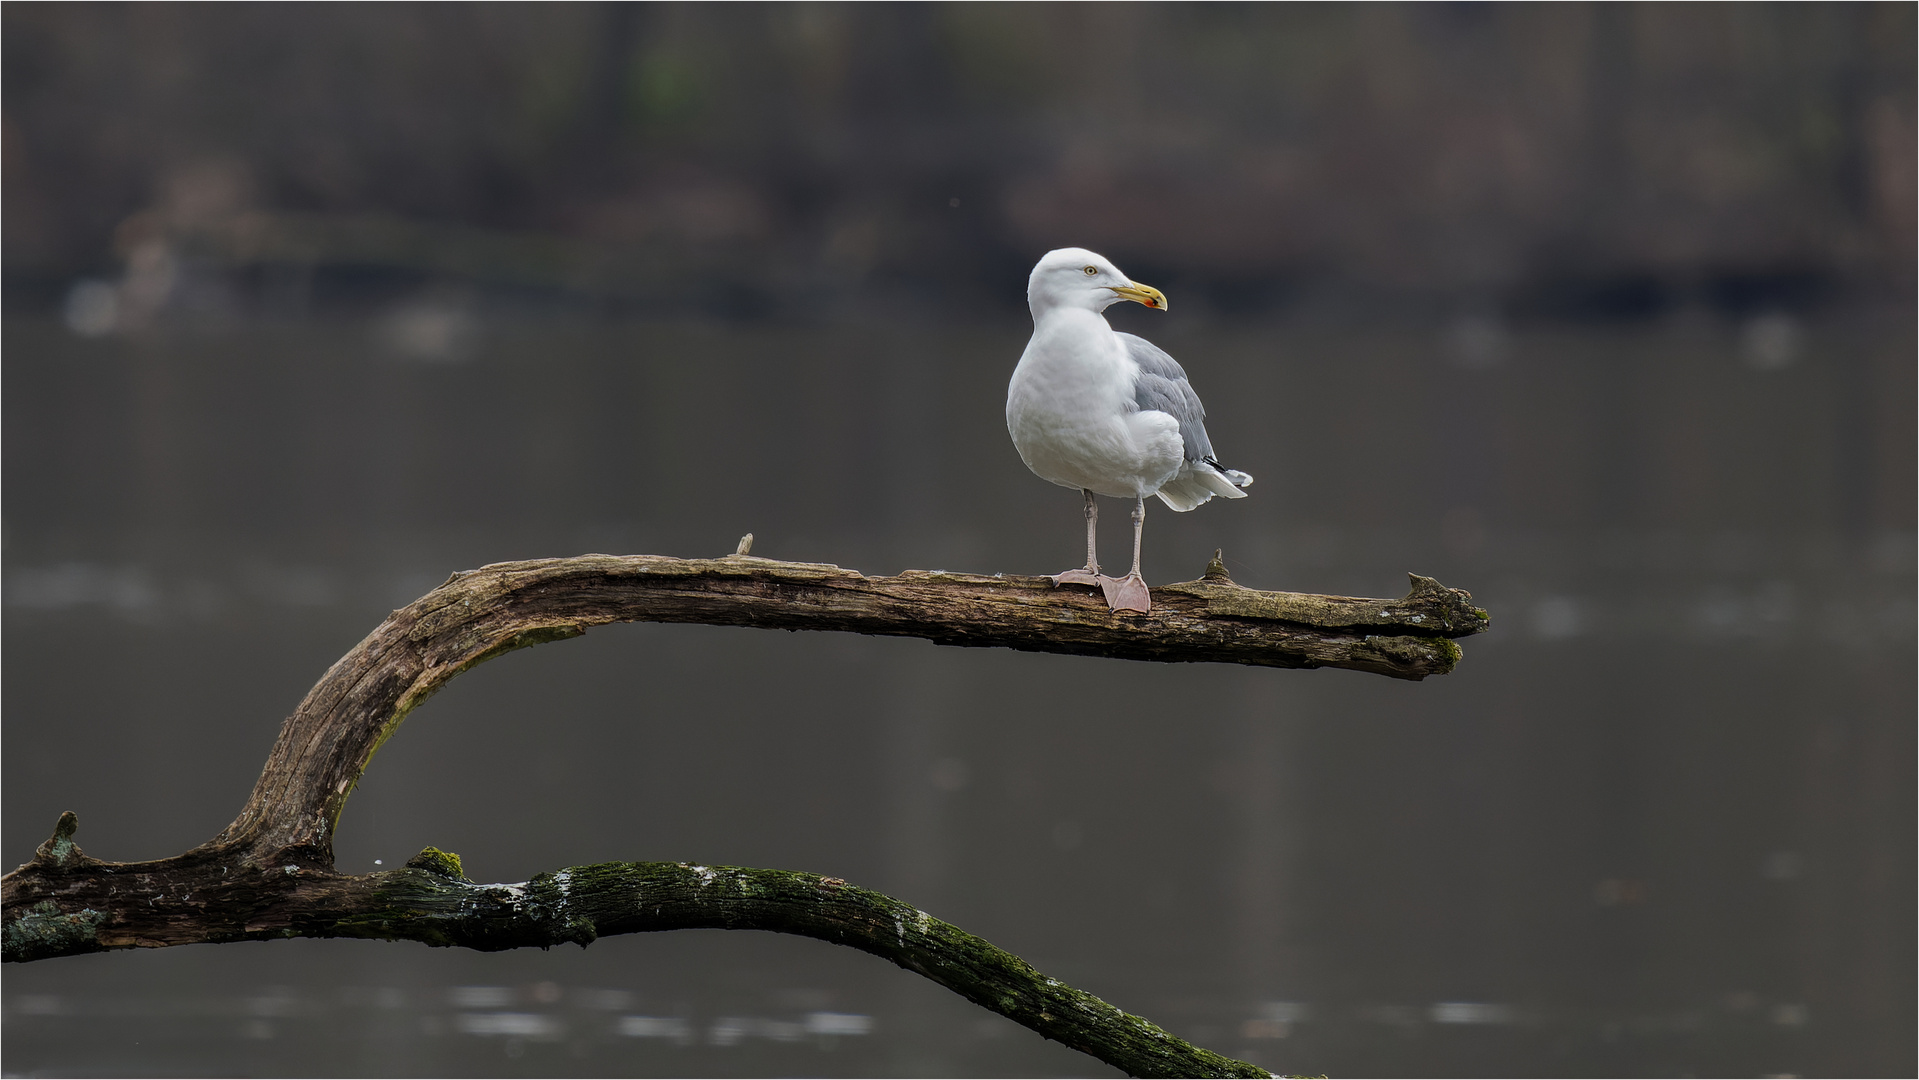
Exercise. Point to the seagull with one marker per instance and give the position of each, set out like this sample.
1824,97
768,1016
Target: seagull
1108,413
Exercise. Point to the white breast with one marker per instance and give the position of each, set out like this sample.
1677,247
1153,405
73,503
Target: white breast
1071,412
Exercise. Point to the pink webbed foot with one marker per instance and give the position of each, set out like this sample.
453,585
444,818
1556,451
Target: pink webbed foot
1127,593
1076,577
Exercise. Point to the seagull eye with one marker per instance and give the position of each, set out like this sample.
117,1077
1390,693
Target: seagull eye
1092,271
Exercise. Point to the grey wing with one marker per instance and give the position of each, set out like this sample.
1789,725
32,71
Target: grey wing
1162,386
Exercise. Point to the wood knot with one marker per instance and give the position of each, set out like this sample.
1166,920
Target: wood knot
59,849
1425,588
1216,567
443,863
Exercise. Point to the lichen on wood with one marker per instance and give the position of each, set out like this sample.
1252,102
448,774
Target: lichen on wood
271,872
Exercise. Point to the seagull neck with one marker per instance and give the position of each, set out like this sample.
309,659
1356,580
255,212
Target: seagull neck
1067,317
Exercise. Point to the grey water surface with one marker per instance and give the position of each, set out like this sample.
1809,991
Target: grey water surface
1657,823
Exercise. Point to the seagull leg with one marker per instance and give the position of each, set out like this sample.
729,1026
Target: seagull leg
1089,575
1129,593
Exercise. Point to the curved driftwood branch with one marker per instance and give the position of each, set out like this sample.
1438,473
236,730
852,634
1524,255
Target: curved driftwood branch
271,872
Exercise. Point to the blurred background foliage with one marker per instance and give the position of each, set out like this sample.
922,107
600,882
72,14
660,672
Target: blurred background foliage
1567,160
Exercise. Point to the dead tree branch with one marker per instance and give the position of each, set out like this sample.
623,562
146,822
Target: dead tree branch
271,872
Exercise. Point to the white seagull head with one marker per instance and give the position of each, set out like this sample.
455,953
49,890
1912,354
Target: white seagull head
1078,278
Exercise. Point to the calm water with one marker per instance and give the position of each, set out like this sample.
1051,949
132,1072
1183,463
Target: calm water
1659,822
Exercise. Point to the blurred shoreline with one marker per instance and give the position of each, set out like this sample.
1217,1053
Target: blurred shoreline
1588,162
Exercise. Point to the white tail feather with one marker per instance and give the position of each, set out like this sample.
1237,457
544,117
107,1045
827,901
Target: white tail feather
1196,485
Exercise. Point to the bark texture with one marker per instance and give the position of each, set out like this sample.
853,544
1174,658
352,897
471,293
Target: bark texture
271,872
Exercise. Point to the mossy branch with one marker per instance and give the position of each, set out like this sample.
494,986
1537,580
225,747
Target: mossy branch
271,872
425,902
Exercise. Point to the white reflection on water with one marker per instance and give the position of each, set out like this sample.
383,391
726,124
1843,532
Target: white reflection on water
523,1025
837,1023
657,1027
1556,617
1770,342
1788,1015
92,307
128,589
480,997
734,1030
1275,1020
279,1002
1470,1012
37,1005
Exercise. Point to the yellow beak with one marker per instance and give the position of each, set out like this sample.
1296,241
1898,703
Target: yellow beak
1141,294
